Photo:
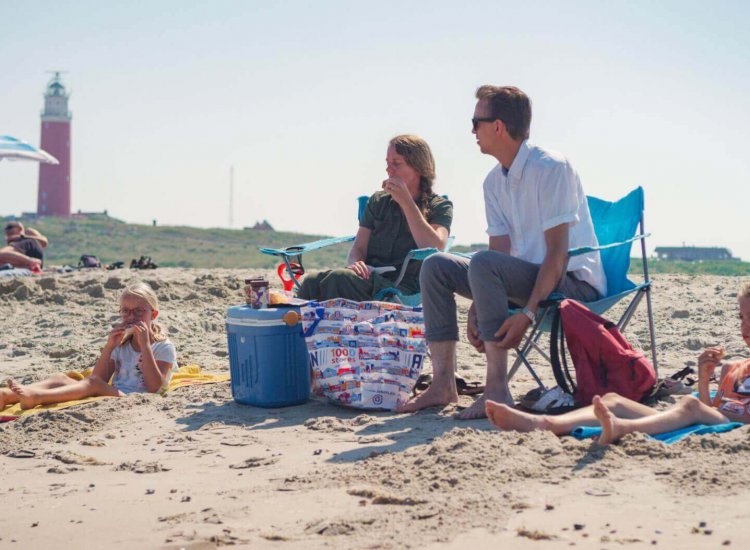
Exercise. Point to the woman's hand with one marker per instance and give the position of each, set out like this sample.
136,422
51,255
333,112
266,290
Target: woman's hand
115,336
397,189
708,361
360,268
472,330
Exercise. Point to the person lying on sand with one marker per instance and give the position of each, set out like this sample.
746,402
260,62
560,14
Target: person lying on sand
405,214
25,247
619,416
137,358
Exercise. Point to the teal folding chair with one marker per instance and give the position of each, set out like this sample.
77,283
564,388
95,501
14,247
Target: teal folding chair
615,225
292,257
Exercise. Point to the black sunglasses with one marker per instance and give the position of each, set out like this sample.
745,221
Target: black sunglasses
475,121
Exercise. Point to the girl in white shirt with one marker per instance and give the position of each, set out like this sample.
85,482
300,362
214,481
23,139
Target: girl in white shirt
136,358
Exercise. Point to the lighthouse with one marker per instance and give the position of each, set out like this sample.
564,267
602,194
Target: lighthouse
54,180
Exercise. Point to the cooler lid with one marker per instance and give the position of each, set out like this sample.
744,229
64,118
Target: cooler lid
246,316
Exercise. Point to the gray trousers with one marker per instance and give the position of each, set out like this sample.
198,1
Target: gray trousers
492,279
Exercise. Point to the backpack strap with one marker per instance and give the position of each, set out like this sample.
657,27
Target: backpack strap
557,354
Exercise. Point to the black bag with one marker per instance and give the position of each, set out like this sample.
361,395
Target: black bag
144,262
89,260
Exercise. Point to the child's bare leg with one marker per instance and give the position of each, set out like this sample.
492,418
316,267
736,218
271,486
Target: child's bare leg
54,381
622,407
10,397
507,418
688,411
31,396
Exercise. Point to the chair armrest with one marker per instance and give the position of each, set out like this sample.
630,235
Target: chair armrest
299,249
466,255
586,249
418,254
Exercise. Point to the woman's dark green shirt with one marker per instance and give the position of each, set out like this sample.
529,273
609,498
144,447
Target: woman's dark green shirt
391,238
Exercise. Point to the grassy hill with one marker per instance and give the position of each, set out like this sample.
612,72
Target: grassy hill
728,268
171,246
180,246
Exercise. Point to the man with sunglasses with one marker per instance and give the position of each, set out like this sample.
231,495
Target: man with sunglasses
536,210
25,247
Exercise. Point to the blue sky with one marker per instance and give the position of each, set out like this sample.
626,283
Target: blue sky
302,97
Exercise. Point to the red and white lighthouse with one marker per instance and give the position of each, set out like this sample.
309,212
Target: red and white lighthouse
54,180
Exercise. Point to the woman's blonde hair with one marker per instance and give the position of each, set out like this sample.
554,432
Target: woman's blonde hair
744,291
418,155
144,292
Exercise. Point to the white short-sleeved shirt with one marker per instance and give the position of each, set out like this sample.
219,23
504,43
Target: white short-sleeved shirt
128,377
541,190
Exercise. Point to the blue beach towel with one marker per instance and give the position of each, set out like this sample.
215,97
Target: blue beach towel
587,432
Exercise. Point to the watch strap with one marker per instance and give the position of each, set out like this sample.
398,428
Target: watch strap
530,314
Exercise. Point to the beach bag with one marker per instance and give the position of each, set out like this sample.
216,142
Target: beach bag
603,359
365,355
89,260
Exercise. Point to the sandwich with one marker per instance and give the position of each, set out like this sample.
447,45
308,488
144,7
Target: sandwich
126,336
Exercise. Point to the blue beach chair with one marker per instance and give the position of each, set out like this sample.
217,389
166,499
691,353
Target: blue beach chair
293,255
615,225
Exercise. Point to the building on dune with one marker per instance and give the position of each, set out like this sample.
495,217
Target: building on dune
693,253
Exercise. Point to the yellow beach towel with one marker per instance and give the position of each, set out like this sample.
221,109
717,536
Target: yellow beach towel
187,375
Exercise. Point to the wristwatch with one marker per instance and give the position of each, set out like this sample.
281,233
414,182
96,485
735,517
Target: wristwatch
530,314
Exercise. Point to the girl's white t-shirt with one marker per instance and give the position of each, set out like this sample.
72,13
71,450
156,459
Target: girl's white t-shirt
128,377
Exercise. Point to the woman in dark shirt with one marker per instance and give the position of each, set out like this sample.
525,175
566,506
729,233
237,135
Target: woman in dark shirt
404,215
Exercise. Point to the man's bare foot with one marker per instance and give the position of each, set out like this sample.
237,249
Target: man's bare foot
504,417
611,425
27,398
477,409
433,396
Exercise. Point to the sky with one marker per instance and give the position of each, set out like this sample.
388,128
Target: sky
301,99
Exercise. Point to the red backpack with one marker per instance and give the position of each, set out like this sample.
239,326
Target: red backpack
604,361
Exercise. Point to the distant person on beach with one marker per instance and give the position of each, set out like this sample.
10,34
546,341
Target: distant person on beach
137,358
25,247
536,210
405,214
619,416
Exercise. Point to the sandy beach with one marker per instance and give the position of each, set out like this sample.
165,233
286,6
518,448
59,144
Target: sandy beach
193,469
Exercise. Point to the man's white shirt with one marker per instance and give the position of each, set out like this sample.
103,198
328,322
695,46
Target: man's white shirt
541,190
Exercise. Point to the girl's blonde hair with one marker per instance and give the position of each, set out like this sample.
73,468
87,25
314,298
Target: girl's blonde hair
418,155
144,292
744,291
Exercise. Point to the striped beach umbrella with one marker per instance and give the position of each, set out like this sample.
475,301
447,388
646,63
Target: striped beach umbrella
15,149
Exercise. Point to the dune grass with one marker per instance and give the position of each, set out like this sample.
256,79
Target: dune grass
180,246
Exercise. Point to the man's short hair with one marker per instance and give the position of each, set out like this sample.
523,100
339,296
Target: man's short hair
13,225
510,105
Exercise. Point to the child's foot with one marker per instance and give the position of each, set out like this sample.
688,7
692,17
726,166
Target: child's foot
508,418
26,397
611,425
7,398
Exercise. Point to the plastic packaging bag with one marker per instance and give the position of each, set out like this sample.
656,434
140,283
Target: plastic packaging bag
366,355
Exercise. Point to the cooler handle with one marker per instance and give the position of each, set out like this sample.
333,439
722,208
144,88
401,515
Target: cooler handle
319,312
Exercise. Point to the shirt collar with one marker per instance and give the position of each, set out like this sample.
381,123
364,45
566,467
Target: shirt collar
516,168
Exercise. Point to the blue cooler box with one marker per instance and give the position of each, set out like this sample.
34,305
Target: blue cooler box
268,359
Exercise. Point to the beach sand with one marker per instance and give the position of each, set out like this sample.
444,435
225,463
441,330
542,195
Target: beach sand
195,470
